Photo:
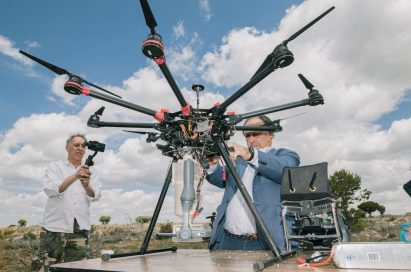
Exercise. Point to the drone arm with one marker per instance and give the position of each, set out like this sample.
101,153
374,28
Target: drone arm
118,101
279,58
314,99
238,118
166,72
98,124
259,220
253,81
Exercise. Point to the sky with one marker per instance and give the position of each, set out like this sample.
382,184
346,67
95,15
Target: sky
357,56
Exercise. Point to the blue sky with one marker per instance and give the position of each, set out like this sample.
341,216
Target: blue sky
357,56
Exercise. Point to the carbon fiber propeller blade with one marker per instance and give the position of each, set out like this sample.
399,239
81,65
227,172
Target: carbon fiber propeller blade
148,15
138,132
298,33
306,83
98,87
54,68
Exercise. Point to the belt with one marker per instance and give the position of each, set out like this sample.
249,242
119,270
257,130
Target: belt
242,236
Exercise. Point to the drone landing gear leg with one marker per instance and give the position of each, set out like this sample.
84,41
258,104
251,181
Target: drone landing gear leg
260,265
144,246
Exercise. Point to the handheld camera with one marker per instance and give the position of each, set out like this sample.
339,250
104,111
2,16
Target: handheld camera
96,147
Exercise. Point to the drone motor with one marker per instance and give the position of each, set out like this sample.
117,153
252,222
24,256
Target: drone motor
282,56
73,85
153,47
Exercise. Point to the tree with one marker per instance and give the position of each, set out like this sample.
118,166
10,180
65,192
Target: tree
105,219
354,219
143,219
381,210
346,190
369,207
22,222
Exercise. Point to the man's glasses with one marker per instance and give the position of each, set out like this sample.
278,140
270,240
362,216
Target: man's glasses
254,134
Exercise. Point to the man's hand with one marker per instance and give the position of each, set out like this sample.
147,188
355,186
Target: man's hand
83,172
239,151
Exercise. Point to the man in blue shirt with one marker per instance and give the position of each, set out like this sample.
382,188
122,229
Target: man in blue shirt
260,167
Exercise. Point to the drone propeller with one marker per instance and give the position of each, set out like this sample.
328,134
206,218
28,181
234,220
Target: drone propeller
138,132
306,83
291,116
296,34
314,97
281,55
54,68
71,85
100,111
148,15
95,118
153,48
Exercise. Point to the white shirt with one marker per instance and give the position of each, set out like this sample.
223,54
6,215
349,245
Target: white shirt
239,219
62,208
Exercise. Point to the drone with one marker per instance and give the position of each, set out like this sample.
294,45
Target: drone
192,134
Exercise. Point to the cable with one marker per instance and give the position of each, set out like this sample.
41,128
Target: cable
306,262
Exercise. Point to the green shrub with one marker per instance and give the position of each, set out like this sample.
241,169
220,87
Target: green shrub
29,236
143,219
166,227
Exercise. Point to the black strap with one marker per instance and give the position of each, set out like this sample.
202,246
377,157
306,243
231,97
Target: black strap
290,182
312,188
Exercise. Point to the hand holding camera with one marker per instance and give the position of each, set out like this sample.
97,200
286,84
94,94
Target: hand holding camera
83,173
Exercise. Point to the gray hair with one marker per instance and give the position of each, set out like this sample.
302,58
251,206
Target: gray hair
75,135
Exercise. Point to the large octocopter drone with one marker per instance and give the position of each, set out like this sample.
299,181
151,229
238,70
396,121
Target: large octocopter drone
192,134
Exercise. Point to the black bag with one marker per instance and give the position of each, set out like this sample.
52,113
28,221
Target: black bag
407,187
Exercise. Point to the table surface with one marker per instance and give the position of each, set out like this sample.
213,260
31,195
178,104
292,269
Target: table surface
197,260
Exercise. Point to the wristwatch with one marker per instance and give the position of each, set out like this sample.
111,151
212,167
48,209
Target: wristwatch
251,150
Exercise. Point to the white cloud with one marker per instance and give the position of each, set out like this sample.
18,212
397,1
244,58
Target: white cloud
33,44
205,9
7,49
179,29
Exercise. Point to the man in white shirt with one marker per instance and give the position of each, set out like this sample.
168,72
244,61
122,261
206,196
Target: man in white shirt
70,187
260,167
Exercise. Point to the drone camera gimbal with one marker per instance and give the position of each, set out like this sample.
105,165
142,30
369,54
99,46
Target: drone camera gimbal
193,134
96,147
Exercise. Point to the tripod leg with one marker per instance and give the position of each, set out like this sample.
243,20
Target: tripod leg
258,219
144,246
153,222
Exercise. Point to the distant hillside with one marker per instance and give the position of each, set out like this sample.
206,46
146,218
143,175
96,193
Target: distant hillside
381,228
18,244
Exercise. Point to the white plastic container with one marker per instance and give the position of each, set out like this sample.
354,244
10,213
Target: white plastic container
384,255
